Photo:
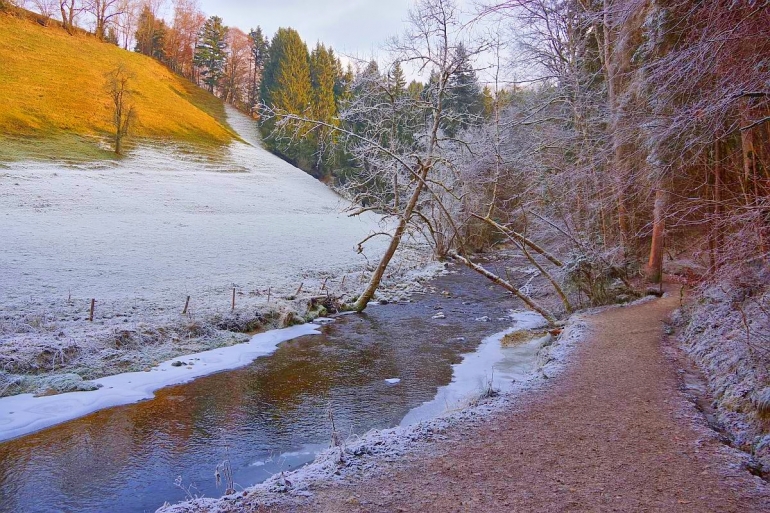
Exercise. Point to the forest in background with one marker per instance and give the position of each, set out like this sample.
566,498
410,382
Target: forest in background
611,142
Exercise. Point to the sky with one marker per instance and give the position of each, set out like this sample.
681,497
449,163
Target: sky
352,27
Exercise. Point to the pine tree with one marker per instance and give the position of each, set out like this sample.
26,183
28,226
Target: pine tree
286,78
465,100
343,83
323,75
260,48
324,68
286,87
210,52
415,89
396,80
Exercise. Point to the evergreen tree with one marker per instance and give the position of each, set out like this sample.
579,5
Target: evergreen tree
286,87
324,68
323,75
465,100
150,35
488,102
396,80
415,89
343,83
210,52
260,48
286,78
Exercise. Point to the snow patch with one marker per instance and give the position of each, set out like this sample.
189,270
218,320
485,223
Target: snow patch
490,368
24,414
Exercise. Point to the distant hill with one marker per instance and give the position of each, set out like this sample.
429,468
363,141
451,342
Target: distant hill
53,101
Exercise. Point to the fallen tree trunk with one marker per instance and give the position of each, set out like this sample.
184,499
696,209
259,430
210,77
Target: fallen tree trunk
521,239
506,285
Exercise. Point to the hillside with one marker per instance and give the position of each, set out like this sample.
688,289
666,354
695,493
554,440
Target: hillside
55,104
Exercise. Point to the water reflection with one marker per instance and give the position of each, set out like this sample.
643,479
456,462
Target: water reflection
271,414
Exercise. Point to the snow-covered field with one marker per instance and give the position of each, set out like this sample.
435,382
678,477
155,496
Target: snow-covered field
141,235
161,226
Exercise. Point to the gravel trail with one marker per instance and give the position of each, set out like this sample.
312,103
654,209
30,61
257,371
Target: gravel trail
611,433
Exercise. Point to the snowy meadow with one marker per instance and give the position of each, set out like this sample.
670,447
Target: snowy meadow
141,235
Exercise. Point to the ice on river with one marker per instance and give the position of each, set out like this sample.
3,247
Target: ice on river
163,224
23,414
489,367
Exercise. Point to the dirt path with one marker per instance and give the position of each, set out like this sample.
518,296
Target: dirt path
611,433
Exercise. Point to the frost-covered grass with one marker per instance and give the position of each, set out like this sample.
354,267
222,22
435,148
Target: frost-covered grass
727,333
24,414
142,234
368,453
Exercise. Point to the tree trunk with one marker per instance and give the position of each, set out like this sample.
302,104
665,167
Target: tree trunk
655,262
520,238
374,281
717,221
507,286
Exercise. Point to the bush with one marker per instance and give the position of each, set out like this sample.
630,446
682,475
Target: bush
598,279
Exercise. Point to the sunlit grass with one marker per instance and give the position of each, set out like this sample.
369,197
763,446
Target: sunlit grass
53,103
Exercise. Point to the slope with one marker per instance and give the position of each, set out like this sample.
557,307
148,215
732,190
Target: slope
54,102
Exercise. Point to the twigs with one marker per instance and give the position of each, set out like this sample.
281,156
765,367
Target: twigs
224,472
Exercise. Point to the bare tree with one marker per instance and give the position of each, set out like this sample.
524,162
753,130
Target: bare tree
235,82
118,86
400,177
47,8
104,12
125,22
70,9
183,36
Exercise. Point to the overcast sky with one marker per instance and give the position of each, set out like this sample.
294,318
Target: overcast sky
351,27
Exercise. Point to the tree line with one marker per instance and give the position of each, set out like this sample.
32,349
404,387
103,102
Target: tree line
624,129
248,69
612,133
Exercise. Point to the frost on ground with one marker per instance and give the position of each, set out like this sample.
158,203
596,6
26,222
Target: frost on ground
142,234
727,333
366,454
23,414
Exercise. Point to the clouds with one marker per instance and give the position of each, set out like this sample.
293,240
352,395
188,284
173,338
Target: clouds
353,27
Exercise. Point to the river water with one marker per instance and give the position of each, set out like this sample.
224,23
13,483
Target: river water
267,417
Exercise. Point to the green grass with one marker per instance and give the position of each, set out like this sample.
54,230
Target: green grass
53,101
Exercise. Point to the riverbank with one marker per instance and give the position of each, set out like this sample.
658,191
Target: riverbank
248,238
611,430
272,415
379,450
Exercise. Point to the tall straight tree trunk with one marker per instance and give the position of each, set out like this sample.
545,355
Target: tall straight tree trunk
717,222
655,262
614,66
751,179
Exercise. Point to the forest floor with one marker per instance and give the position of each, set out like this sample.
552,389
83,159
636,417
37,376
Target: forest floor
613,432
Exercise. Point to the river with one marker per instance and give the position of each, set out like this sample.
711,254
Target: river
273,414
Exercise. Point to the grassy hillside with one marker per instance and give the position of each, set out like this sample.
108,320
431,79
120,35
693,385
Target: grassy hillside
53,101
